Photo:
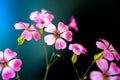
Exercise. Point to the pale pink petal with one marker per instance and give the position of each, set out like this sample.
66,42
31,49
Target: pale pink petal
67,35
117,56
50,17
73,23
8,54
102,64
32,28
1,66
60,44
15,64
7,73
113,69
100,45
36,35
108,55
114,78
105,42
82,48
49,39
34,15
1,56
96,75
114,52
39,25
50,28
19,25
77,51
62,27
71,46
27,35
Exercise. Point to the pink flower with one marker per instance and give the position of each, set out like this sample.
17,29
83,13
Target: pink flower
58,35
77,48
73,24
108,50
28,32
9,64
42,19
111,73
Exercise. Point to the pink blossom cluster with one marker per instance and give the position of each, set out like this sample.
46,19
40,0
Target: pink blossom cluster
57,36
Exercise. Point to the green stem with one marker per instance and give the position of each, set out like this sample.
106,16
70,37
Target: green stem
76,71
88,70
46,55
46,73
17,76
53,61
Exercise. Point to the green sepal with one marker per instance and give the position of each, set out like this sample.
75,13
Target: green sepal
74,58
41,31
20,40
98,56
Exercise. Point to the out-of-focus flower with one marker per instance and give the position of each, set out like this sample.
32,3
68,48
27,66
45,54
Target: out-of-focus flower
42,18
73,24
28,32
77,48
9,64
111,72
58,35
108,50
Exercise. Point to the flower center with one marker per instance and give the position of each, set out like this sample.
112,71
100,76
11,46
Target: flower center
57,34
105,77
4,63
42,22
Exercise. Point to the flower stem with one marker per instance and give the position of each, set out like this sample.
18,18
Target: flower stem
76,71
17,76
46,55
46,73
87,70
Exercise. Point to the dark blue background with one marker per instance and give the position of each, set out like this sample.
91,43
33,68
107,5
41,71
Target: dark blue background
96,19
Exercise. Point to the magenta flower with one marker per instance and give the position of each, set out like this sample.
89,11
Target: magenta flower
42,18
108,50
110,73
28,32
77,48
58,35
9,64
73,24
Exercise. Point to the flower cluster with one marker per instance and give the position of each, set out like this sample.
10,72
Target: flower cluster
57,36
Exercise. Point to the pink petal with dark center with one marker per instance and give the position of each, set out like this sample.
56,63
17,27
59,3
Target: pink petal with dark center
67,35
60,44
27,35
15,64
108,55
36,35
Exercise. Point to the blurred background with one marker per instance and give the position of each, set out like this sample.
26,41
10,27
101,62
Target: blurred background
95,19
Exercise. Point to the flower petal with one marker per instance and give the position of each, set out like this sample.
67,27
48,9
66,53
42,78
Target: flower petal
73,23
108,55
19,25
1,66
102,64
1,56
60,44
34,15
62,27
32,28
100,45
50,28
105,42
95,75
7,73
67,35
49,39
113,69
114,78
36,35
27,35
8,54
15,64
71,46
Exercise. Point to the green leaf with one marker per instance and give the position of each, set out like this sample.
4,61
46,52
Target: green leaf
20,40
74,58
98,56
